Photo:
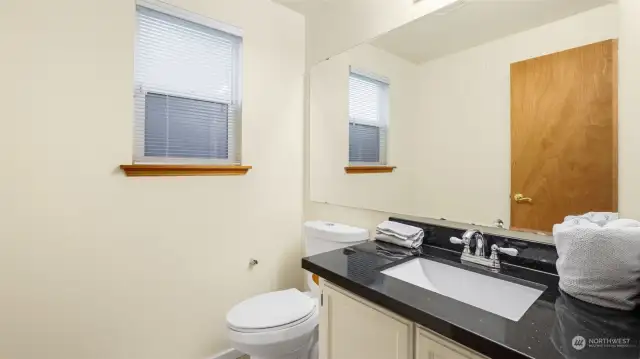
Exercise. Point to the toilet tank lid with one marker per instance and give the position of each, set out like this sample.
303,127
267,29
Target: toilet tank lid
335,232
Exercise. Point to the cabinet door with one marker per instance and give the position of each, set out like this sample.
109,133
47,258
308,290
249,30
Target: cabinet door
432,346
352,328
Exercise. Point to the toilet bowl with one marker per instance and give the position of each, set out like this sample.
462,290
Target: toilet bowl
284,324
276,325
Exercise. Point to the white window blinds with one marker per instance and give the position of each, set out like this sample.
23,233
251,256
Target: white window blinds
187,91
368,119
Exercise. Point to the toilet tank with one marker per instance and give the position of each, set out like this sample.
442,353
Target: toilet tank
321,236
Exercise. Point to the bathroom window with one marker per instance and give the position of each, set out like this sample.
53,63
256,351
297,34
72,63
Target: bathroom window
368,119
187,88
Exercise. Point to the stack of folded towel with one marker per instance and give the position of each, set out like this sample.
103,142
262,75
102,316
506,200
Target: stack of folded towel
395,252
599,259
399,234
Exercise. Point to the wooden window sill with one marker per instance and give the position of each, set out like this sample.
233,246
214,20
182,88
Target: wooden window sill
145,170
352,170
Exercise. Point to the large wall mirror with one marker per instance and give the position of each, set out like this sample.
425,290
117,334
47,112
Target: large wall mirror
481,111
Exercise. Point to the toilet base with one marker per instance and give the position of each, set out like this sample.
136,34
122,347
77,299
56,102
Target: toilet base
309,351
293,356
313,354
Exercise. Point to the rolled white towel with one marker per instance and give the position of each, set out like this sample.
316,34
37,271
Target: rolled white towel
599,264
399,230
400,242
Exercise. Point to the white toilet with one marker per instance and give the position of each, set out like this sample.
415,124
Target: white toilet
284,324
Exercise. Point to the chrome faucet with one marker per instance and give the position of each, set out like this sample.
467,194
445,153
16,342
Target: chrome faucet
480,241
480,255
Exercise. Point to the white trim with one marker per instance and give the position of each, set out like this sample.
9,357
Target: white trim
235,142
228,354
173,10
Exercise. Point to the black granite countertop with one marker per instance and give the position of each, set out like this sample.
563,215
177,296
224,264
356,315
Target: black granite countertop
545,331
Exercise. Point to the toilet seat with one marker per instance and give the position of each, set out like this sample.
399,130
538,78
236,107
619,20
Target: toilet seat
276,336
285,337
271,312
286,326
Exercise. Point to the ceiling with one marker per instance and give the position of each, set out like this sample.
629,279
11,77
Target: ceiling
475,22
301,6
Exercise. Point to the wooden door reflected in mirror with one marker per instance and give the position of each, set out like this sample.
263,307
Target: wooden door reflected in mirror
564,136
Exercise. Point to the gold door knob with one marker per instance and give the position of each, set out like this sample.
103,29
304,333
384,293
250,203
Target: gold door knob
519,198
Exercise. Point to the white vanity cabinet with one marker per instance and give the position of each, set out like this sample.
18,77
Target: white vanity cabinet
432,346
354,328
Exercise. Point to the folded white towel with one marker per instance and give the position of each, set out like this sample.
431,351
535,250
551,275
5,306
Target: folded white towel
622,223
599,260
600,218
400,242
389,233
399,229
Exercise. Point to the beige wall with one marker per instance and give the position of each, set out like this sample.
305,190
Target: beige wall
462,127
94,265
329,141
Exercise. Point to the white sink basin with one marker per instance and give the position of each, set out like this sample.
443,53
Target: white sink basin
506,299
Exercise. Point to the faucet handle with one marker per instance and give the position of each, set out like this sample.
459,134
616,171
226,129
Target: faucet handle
464,241
508,251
